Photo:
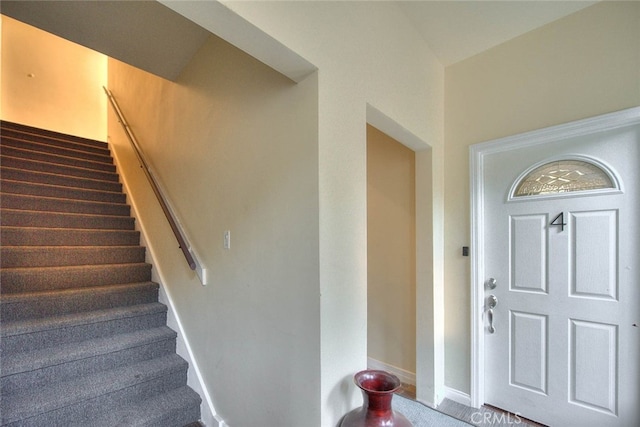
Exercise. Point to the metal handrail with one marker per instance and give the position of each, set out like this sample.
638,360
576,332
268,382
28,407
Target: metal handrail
182,241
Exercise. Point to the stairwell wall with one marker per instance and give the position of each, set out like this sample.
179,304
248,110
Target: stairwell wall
234,143
50,83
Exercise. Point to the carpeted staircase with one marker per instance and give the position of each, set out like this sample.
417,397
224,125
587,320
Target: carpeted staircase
84,340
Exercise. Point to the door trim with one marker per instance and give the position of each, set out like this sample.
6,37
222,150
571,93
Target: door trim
477,153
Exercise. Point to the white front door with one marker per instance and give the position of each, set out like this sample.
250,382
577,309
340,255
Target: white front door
562,344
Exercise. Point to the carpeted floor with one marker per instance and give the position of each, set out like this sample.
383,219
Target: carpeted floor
422,416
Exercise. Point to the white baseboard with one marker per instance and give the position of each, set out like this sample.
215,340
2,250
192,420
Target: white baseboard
457,396
405,376
194,378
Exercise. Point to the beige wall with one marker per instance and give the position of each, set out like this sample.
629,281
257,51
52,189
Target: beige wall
366,54
583,65
391,252
50,83
235,145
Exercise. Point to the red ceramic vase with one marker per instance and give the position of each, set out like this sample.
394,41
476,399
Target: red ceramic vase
377,392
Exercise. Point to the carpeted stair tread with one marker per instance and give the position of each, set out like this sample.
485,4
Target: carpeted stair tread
59,179
45,219
162,410
65,395
88,146
66,192
38,305
51,256
33,334
20,279
56,168
57,159
6,127
37,236
66,149
70,320
43,367
14,364
52,204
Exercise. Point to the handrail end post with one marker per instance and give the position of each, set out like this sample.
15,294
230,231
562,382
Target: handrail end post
203,275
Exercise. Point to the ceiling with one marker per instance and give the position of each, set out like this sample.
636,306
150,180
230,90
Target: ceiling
165,40
144,34
456,30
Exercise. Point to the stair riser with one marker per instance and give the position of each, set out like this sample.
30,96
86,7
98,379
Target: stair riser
87,366
14,201
183,416
51,256
49,338
46,279
44,190
69,150
82,413
41,134
38,307
57,160
20,218
35,166
62,180
178,407
67,237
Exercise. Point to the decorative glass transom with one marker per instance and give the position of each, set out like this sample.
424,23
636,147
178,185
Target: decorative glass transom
562,176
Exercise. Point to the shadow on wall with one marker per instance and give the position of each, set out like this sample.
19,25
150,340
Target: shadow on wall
339,397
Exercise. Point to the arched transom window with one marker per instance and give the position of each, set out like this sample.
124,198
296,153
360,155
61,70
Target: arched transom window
564,176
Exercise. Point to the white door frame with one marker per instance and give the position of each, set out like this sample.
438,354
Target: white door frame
477,154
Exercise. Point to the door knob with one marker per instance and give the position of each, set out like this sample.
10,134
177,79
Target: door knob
491,283
492,301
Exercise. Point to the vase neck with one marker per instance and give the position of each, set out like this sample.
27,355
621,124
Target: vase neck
379,402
